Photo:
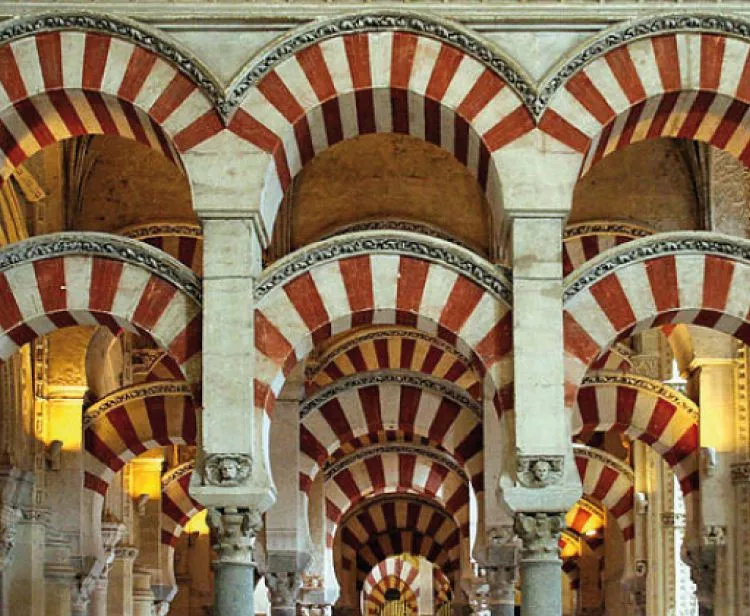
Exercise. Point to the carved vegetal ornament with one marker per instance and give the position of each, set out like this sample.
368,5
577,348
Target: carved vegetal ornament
539,471
228,470
283,587
234,531
540,533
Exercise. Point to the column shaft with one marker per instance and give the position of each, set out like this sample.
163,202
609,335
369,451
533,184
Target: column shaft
234,588
541,587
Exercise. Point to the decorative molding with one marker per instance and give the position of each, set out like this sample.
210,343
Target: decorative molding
540,533
319,363
605,227
162,229
144,360
365,453
741,473
535,471
177,473
714,535
126,552
134,392
643,383
133,32
387,20
403,243
592,453
673,519
623,34
283,587
235,530
227,470
398,377
104,245
658,245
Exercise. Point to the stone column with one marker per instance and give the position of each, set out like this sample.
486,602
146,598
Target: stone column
120,586
234,585
541,580
143,597
98,597
499,560
283,588
501,596
79,603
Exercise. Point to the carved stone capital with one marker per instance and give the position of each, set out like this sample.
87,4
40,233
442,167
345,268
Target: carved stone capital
539,471
228,470
234,531
741,473
283,587
540,533
713,535
701,558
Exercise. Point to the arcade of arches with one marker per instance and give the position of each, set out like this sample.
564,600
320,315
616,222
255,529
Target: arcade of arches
317,309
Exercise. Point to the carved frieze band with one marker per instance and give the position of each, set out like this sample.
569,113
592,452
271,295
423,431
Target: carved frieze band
177,473
387,242
651,247
397,377
605,227
162,229
644,384
592,453
134,392
365,453
392,332
104,245
123,28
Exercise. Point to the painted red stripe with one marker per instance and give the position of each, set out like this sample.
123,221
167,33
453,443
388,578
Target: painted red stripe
624,505
369,398
311,446
50,280
156,414
189,422
729,123
134,122
188,342
399,111
623,68
10,314
446,414
626,399
123,425
463,299
445,68
662,115
403,49
348,486
376,472
409,400
498,341
10,147
406,465
432,128
315,68
140,64
607,478
685,446
336,418
482,92
667,61
10,75
357,48
662,277
435,479
68,113
96,53
631,122
712,58
586,93
270,341
304,296
411,284
717,280
102,113
577,340
558,127
356,273
332,121
660,418
276,92
49,51
581,464
202,129
508,129
92,482
176,93
696,115
611,298
154,301
34,121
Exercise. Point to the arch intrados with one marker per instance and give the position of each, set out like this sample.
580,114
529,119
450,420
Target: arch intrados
395,566
350,261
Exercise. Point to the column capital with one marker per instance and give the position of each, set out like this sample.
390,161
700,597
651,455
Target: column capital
539,532
235,529
283,587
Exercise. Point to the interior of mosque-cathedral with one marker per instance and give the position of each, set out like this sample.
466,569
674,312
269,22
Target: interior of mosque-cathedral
371,309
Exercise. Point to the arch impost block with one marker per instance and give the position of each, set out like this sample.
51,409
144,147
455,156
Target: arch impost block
396,377
104,245
651,247
483,273
250,495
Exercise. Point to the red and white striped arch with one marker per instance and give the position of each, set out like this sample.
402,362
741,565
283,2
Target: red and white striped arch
341,418
392,526
392,472
131,421
179,239
382,286
686,85
570,553
395,349
585,517
394,572
177,507
69,279
692,278
377,82
441,588
64,83
610,482
645,410
615,359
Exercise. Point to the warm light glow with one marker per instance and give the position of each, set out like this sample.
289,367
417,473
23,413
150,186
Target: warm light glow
64,424
197,524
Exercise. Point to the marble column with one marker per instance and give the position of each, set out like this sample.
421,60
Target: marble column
143,597
283,588
235,530
501,596
120,587
541,581
98,598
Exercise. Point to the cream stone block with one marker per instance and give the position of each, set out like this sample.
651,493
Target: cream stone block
689,50
713,119
231,249
633,280
24,138
159,77
642,54
502,104
118,58
680,112
317,124
383,115
465,78
416,105
390,405
316,423
568,106
426,412
352,404
335,56
690,277
27,58
52,119
537,248
735,57
604,80
385,275
425,56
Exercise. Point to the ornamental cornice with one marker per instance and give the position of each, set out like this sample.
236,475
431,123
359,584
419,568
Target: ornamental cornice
134,392
642,383
654,246
162,229
403,243
365,453
104,245
591,453
397,377
606,227
623,34
390,332
385,20
121,27
177,473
